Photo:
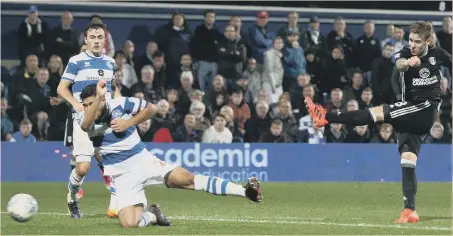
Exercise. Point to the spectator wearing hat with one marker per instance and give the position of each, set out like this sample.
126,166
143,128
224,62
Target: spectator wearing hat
437,135
313,40
339,36
260,36
33,34
292,26
293,61
64,38
204,49
231,56
129,76
368,49
272,72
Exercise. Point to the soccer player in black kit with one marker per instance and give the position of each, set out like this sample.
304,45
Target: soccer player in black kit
412,117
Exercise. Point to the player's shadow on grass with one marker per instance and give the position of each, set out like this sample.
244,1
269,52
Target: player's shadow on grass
428,218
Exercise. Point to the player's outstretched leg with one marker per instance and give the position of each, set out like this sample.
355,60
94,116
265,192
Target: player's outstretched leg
72,164
75,183
409,184
182,178
361,117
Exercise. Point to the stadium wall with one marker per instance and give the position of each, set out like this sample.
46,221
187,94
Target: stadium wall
49,162
138,21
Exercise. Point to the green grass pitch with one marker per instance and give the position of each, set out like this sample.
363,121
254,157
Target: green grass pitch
287,208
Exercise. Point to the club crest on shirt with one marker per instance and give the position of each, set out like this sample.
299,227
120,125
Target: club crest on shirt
109,65
116,114
432,61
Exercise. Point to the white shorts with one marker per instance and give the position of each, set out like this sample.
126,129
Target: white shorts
147,170
83,147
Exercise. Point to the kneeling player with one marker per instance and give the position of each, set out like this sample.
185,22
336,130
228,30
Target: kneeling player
132,167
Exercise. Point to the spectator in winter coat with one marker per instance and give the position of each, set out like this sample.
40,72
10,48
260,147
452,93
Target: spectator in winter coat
334,71
436,135
240,36
109,46
129,49
240,108
336,133
314,40
64,38
254,75
292,26
381,75
339,36
187,132
368,49
218,133
146,58
217,87
293,61
174,40
118,84
204,48
384,135
260,37
355,90
33,34
276,135
231,56
160,70
152,94
289,122
272,72
258,124
144,131
314,67
359,134
163,118
445,35
198,109
366,99
336,100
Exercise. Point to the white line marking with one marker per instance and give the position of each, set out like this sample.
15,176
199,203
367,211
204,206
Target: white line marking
300,221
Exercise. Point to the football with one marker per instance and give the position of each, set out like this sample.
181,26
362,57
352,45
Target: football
22,207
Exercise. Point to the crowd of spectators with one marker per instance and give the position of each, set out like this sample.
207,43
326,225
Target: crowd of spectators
224,85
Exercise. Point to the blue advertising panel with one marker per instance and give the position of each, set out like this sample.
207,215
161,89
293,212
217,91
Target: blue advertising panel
49,162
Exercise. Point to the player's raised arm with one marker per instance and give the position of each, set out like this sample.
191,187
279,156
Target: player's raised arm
141,109
94,106
403,59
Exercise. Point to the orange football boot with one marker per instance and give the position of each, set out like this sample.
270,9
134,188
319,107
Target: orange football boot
317,112
408,216
112,213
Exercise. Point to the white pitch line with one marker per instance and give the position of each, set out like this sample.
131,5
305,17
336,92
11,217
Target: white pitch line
281,222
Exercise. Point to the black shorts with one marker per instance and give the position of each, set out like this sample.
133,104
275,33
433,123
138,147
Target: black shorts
412,121
68,130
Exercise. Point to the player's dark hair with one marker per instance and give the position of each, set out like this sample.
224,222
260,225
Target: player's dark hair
158,53
95,25
277,122
119,53
206,12
88,91
422,28
95,16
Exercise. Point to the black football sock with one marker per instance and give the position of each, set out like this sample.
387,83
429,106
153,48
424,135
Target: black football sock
409,183
356,118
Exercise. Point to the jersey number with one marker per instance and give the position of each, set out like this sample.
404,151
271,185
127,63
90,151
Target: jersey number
398,104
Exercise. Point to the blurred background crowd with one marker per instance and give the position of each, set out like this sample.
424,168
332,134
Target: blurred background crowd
223,85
